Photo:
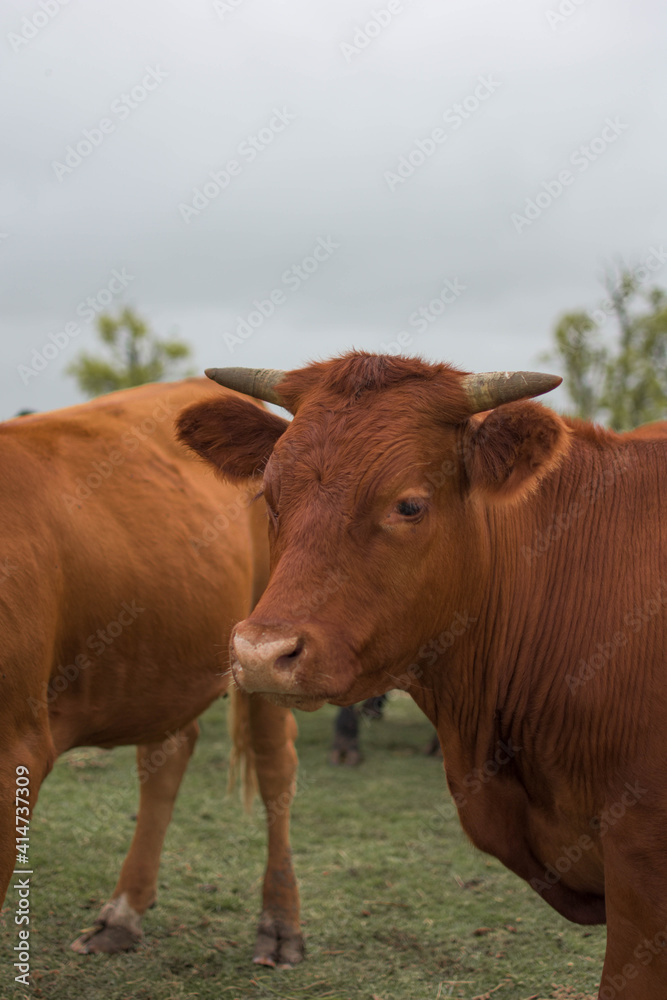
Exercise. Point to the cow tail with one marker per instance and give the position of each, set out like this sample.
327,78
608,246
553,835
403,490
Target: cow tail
242,759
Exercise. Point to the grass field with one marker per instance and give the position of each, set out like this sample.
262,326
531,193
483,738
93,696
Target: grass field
396,904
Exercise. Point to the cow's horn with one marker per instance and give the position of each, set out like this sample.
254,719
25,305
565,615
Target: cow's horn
489,389
257,382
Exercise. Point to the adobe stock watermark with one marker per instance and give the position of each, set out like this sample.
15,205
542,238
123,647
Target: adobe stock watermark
473,782
421,318
633,622
121,108
247,152
7,570
102,469
291,281
434,649
218,525
151,763
22,806
454,117
275,808
153,758
32,25
225,7
318,596
644,953
647,267
601,825
580,159
562,12
369,30
97,642
237,845
588,495
86,310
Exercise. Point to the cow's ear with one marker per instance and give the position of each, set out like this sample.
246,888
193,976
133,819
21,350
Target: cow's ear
512,448
231,433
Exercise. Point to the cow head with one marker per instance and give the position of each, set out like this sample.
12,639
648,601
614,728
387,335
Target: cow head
375,493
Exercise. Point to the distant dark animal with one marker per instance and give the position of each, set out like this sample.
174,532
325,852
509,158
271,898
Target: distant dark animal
345,748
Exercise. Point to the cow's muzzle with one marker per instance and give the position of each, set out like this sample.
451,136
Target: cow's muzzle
293,664
268,658
263,660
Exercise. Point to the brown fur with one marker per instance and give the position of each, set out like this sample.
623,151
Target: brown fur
525,609
352,376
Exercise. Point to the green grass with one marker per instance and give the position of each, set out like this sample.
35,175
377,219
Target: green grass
396,904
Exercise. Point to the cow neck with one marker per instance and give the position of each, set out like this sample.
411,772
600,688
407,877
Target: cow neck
505,678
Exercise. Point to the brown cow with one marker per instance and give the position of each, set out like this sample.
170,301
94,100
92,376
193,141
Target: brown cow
509,569
126,563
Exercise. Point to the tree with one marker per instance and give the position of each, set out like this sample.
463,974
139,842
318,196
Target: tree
137,356
625,383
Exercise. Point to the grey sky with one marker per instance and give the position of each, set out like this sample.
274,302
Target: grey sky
330,126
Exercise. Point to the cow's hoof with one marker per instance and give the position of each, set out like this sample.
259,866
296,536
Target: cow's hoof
118,928
277,945
102,939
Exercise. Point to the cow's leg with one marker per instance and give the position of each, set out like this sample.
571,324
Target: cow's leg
161,767
29,759
273,731
345,747
635,861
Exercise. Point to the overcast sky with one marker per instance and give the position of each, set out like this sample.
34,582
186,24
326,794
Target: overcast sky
482,162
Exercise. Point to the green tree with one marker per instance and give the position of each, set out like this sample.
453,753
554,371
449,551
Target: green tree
136,356
624,383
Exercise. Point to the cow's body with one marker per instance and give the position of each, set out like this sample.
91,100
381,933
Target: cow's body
510,571
126,563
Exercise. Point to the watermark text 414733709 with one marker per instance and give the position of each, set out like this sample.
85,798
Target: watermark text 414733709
21,885
22,804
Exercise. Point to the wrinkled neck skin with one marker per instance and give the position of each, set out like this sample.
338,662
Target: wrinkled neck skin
559,596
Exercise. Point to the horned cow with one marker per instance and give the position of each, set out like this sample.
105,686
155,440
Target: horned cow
442,497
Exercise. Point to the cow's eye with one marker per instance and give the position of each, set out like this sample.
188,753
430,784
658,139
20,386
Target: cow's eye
411,509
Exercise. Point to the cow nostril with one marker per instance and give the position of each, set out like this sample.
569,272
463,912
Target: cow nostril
287,660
